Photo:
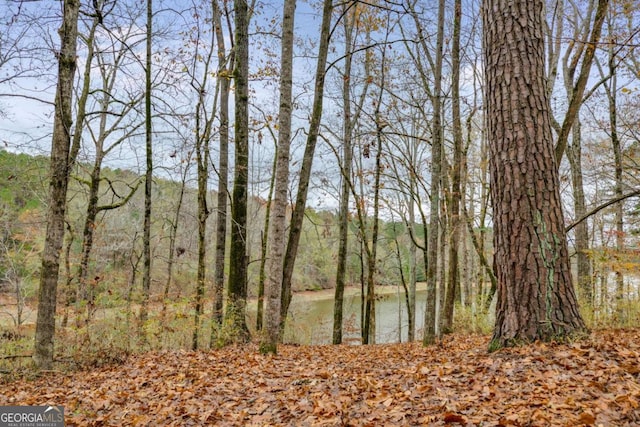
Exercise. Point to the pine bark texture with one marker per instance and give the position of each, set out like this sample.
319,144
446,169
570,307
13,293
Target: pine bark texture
58,184
536,299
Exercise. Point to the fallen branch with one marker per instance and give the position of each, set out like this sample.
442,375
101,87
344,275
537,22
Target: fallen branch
16,356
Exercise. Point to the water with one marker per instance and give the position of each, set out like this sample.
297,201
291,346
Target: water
311,320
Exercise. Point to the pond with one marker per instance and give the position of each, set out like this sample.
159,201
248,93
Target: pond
311,316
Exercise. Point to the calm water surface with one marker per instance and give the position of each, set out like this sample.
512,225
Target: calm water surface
311,320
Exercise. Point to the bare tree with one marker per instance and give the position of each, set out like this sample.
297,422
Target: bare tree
455,196
59,180
148,178
204,115
273,289
237,295
351,115
437,135
307,160
225,63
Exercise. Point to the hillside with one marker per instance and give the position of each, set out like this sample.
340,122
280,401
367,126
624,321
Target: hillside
118,232
594,381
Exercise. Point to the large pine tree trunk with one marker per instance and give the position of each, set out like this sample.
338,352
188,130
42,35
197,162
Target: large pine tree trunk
536,299
58,183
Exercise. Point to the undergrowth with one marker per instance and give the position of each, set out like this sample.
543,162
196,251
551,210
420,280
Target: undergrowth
115,333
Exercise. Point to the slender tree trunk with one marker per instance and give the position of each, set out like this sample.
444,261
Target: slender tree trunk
173,233
84,93
202,160
578,90
454,210
412,150
69,290
370,310
295,229
204,118
403,280
223,169
479,247
487,296
468,261
237,294
343,215
574,155
87,291
536,299
413,252
570,63
146,239
264,246
619,183
58,184
273,291
430,316
262,276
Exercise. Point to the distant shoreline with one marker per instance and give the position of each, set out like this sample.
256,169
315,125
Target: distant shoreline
327,294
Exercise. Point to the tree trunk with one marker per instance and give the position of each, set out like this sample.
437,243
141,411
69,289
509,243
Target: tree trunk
58,184
173,233
295,228
237,295
413,274
273,289
223,168
574,155
148,178
87,292
430,316
204,119
454,198
612,90
578,90
202,132
345,169
536,299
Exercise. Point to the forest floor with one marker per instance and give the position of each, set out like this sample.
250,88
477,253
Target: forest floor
593,381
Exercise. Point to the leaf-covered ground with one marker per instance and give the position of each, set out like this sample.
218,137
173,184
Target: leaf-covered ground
595,381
